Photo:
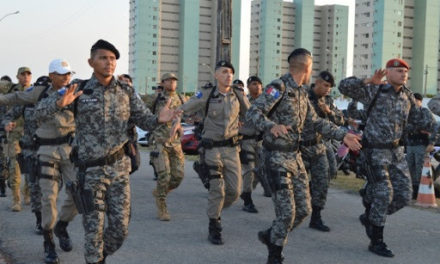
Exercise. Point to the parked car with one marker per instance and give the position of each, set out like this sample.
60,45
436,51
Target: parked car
142,137
188,140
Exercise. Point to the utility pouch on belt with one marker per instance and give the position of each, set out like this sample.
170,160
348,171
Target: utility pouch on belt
83,199
203,171
132,151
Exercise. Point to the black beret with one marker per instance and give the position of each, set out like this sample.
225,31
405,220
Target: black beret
102,44
418,96
226,64
297,52
328,77
238,81
253,79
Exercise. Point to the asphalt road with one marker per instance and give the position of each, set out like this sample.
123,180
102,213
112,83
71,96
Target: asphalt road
413,234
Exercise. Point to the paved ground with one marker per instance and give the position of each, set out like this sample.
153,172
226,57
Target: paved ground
413,234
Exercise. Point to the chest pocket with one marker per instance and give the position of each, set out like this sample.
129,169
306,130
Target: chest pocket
216,106
90,103
122,105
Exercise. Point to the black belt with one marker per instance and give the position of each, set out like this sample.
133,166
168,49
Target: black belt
283,148
231,142
108,160
53,141
395,144
309,143
31,146
256,137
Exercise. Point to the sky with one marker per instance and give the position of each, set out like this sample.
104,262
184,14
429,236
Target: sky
44,30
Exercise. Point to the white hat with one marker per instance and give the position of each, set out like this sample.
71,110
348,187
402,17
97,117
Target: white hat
60,66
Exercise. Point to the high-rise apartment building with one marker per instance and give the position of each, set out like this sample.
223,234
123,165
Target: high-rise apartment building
278,27
407,29
179,36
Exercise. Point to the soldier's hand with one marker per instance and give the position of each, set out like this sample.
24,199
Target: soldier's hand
10,126
377,77
176,129
325,108
69,96
167,114
430,148
352,141
279,130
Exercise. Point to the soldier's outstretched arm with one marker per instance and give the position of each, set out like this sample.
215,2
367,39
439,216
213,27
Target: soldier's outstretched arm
196,102
362,90
29,96
323,126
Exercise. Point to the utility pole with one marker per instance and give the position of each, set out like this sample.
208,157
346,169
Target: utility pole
224,30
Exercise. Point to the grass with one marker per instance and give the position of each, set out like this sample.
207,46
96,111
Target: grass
351,184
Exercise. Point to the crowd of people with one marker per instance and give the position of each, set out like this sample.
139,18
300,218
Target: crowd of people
81,133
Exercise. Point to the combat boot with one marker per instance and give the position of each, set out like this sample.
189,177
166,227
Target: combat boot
275,252
38,228
51,256
63,237
377,245
215,232
248,203
364,218
316,220
162,211
16,201
2,188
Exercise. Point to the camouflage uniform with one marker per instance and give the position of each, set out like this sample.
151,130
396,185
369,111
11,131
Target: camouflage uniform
251,146
169,159
11,150
102,115
416,144
314,151
29,150
220,141
4,167
389,183
284,165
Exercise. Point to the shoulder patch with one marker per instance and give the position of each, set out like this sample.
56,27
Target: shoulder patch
272,91
199,94
62,91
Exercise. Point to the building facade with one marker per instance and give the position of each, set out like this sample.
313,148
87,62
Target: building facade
278,27
179,36
407,29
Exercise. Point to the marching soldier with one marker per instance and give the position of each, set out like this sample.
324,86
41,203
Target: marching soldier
283,112
103,107
222,105
167,155
389,106
313,149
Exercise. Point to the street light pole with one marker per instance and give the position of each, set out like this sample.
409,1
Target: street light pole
9,14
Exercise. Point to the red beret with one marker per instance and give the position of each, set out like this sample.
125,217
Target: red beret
395,63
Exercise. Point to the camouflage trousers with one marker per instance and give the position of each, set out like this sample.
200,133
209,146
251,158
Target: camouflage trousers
55,169
316,163
110,185
389,185
290,195
169,166
225,178
249,157
331,159
415,156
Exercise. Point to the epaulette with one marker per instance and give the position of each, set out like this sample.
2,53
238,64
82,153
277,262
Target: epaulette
125,86
238,88
207,85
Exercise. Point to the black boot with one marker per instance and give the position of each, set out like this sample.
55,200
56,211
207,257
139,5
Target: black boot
2,188
415,192
316,221
38,228
215,232
63,237
248,203
377,245
51,256
275,252
364,218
